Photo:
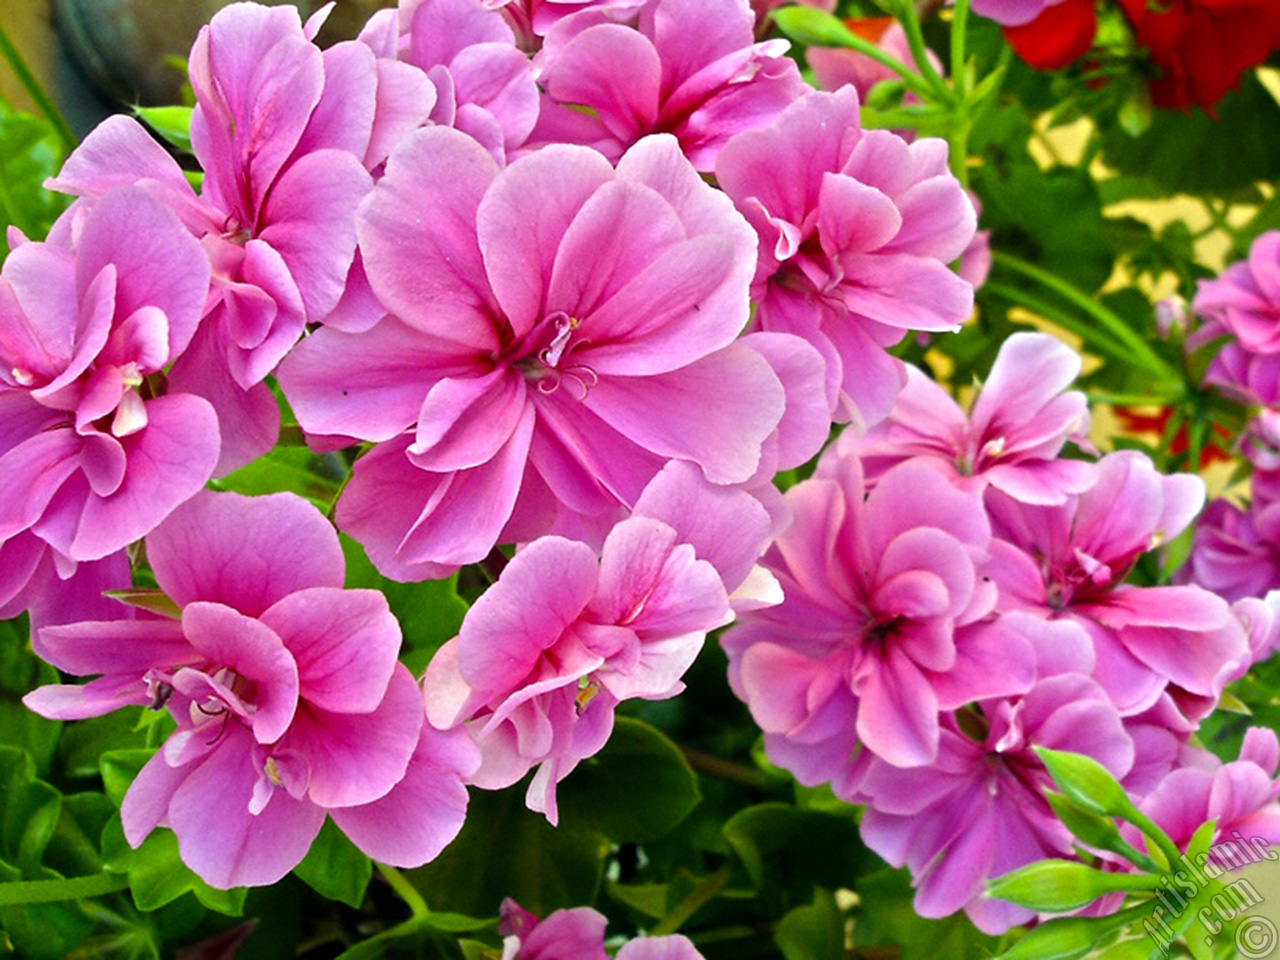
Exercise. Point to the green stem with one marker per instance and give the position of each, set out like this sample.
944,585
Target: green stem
1133,399
404,889
958,139
1090,334
72,888
690,905
35,91
1110,321
910,79
905,11
727,770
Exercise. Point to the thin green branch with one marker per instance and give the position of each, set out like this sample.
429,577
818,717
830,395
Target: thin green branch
71,888
1120,331
405,890
29,83
1090,334
905,11
690,905
727,770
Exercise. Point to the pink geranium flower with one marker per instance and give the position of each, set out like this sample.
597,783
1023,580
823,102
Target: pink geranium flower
281,131
979,811
289,699
95,448
560,330
1022,418
483,83
1241,796
576,934
1012,13
691,68
1245,299
856,229
1236,553
1070,561
865,648
538,682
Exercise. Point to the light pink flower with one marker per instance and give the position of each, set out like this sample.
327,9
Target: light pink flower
1245,299
483,83
95,448
1012,438
673,947
1236,553
979,811
289,699
281,131
856,229
1012,13
561,329
1071,560
576,934
531,19
691,68
565,635
1241,796
866,646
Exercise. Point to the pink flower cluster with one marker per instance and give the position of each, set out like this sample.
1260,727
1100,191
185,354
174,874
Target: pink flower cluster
478,239
482,239
954,597
290,702
1237,552
578,934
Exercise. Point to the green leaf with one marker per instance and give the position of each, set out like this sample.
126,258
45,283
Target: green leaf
335,868
1060,886
796,849
157,874
119,768
287,470
21,671
887,917
30,153
812,933
171,123
83,743
506,850
636,789
29,811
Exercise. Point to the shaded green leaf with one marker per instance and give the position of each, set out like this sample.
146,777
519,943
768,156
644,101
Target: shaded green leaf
335,868
604,792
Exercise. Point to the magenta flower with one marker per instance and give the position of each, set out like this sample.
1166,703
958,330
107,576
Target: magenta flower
979,811
1236,553
1245,299
576,934
1012,13
690,68
532,19
94,447
673,947
1241,796
560,331
483,83
1020,421
281,131
1070,561
289,699
865,647
538,683
856,229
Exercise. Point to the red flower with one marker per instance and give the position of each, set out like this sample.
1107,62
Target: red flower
1062,34
1202,46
